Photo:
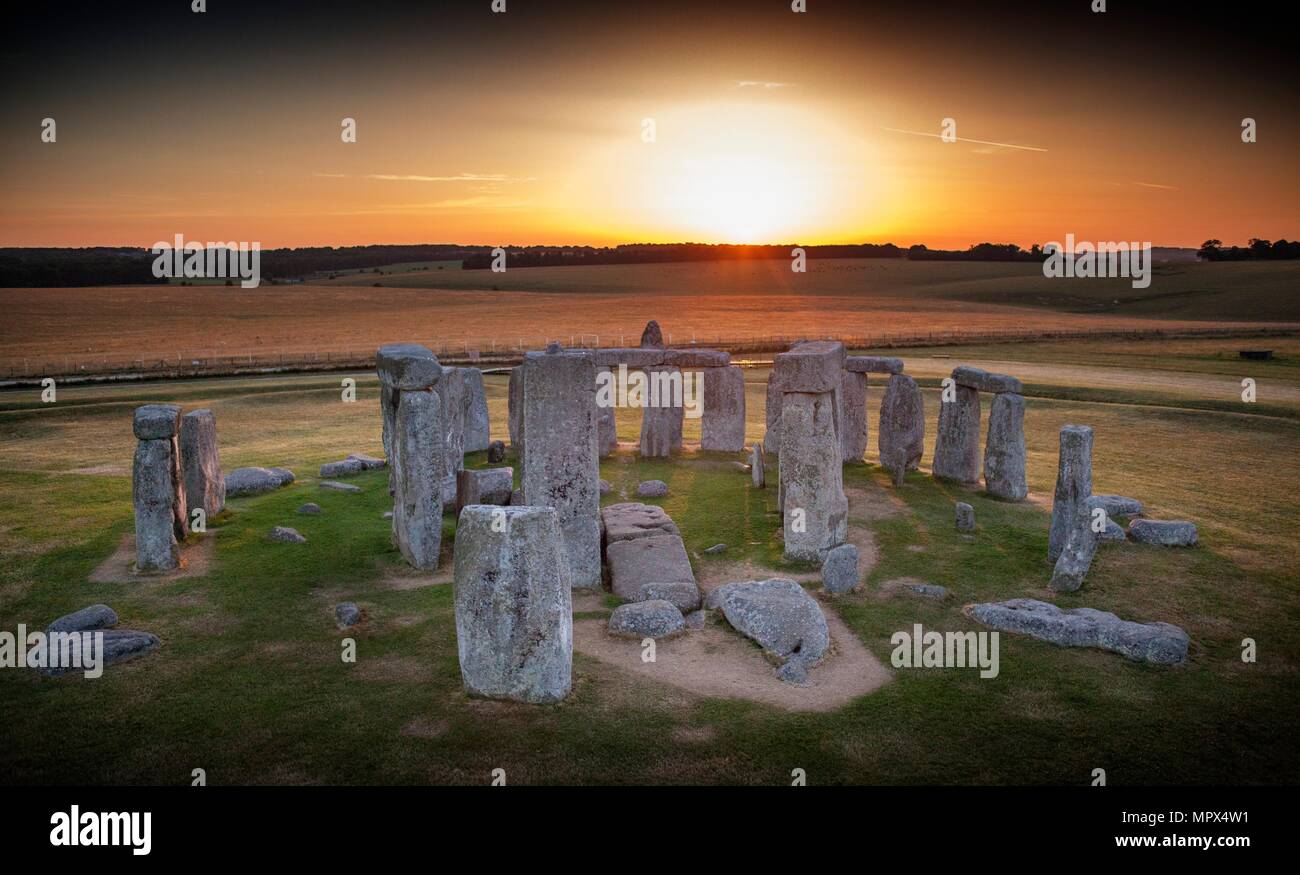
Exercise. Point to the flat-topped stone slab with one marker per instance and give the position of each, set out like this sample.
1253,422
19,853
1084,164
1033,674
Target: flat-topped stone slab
985,381
484,486
813,366
632,356
1166,533
407,366
255,481
873,364
631,520
653,618
651,559
156,421
777,614
682,595
1159,643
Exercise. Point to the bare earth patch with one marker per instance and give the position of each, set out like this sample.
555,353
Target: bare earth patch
103,471
719,663
401,581
196,560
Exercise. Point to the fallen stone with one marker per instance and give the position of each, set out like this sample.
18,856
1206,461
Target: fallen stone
340,487
1159,643
85,620
119,646
1120,505
929,590
777,614
369,463
873,364
901,436
201,464
683,596
650,619
1073,484
715,549
957,444
310,507
840,569
631,520
1114,531
651,559
794,671
652,489
983,381
514,606
1004,449
965,517
286,535
1166,533
347,614
342,468
484,486
255,481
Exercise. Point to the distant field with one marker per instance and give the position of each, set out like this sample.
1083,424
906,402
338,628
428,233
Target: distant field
63,330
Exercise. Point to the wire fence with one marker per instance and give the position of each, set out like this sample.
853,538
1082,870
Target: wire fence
506,351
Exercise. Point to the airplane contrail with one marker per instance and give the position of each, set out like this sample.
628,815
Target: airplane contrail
966,140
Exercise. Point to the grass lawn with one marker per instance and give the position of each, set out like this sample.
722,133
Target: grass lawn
249,684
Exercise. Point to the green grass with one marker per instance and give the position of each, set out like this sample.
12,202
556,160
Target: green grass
249,684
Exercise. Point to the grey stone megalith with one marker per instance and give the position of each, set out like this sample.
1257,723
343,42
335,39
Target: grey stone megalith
722,425
514,605
855,431
478,432
957,444
515,409
813,366
205,487
663,413
561,466
453,390
901,435
158,489
606,408
1004,448
1073,484
416,450
814,507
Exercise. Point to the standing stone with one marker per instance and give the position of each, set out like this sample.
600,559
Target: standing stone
496,452
477,425
453,392
606,402
853,402
515,410
204,485
661,418
652,336
810,366
158,488
965,517
401,366
514,608
723,425
814,506
756,471
957,445
561,462
1073,484
840,569
901,436
417,467
1004,448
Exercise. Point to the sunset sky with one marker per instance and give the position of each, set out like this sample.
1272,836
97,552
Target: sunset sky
527,127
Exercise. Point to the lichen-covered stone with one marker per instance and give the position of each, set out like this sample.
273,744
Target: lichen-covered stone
854,430
654,618
957,444
1166,533
201,463
983,381
1073,484
873,364
901,436
661,422
840,569
514,608
776,613
418,460
722,426
1159,643
1004,449
814,507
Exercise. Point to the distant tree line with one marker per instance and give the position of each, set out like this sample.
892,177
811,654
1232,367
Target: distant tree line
1255,249
654,253
90,266
978,252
